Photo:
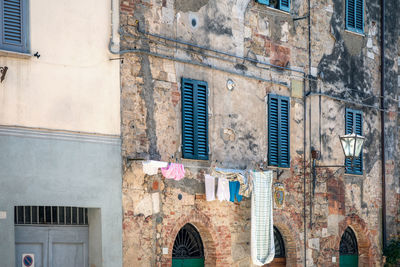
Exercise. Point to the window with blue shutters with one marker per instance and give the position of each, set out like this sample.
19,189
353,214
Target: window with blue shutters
354,123
14,25
194,119
278,131
278,4
355,15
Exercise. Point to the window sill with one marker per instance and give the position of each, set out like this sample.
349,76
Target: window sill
274,10
7,53
278,10
200,163
353,174
275,168
356,33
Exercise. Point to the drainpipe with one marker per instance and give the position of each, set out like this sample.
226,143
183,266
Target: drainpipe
114,39
305,126
383,123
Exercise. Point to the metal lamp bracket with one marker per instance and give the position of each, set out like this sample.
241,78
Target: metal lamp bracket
3,71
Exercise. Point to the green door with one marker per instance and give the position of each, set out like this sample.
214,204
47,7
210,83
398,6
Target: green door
348,249
348,260
188,262
188,248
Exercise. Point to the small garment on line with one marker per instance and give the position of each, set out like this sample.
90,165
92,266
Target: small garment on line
151,167
210,187
262,225
223,189
174,171
236,175
234,191
246,185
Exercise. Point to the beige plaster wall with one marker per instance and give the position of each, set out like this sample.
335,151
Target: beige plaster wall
73,85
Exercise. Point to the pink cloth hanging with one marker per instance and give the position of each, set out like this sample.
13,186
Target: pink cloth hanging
174,171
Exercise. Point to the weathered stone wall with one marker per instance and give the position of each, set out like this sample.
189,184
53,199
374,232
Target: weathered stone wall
343,65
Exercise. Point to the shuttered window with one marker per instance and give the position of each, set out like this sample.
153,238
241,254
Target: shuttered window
194,119
354,123
355,15
13,24
279,4
284,5
278,131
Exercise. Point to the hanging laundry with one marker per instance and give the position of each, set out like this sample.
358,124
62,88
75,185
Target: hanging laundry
236,175
151,167
234,191
223,189
210,187
174,171
230,174
246,185
262,225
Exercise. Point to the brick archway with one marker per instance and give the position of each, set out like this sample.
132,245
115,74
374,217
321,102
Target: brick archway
367,252
215,253
290,235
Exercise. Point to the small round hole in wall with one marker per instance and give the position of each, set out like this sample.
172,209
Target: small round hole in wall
230,84
179,196
193,21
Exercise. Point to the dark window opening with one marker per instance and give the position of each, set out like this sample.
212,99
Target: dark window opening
50,215
279,244
188,244
348,243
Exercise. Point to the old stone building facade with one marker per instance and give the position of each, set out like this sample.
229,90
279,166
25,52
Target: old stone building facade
245,51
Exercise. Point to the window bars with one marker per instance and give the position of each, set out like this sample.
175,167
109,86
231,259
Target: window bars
50,215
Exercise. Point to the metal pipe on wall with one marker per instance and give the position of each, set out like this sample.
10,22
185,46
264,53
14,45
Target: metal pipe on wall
216,51
140,51
383,169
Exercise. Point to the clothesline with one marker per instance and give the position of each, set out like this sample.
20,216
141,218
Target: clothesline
233,185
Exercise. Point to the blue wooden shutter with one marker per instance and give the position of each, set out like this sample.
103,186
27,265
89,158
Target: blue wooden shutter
359,22
284,5
265,2
188,131
194,119
202,120
355,15
354,122
278,131
284,157
13,25
273,130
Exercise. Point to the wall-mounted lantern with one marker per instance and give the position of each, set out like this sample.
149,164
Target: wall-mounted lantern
352,145
3,71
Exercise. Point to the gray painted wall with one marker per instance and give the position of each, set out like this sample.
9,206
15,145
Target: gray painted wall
61,169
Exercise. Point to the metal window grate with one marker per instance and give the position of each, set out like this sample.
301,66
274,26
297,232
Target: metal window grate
188,244
279,244
50,215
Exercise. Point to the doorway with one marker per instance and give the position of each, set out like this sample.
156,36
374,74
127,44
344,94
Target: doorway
348,249
51,236
188,248
280,253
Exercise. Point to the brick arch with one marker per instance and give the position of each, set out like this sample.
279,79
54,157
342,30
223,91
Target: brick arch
367,252
291,237
214,253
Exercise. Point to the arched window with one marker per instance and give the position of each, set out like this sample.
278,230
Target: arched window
279,245
348,244
188,247
348,249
